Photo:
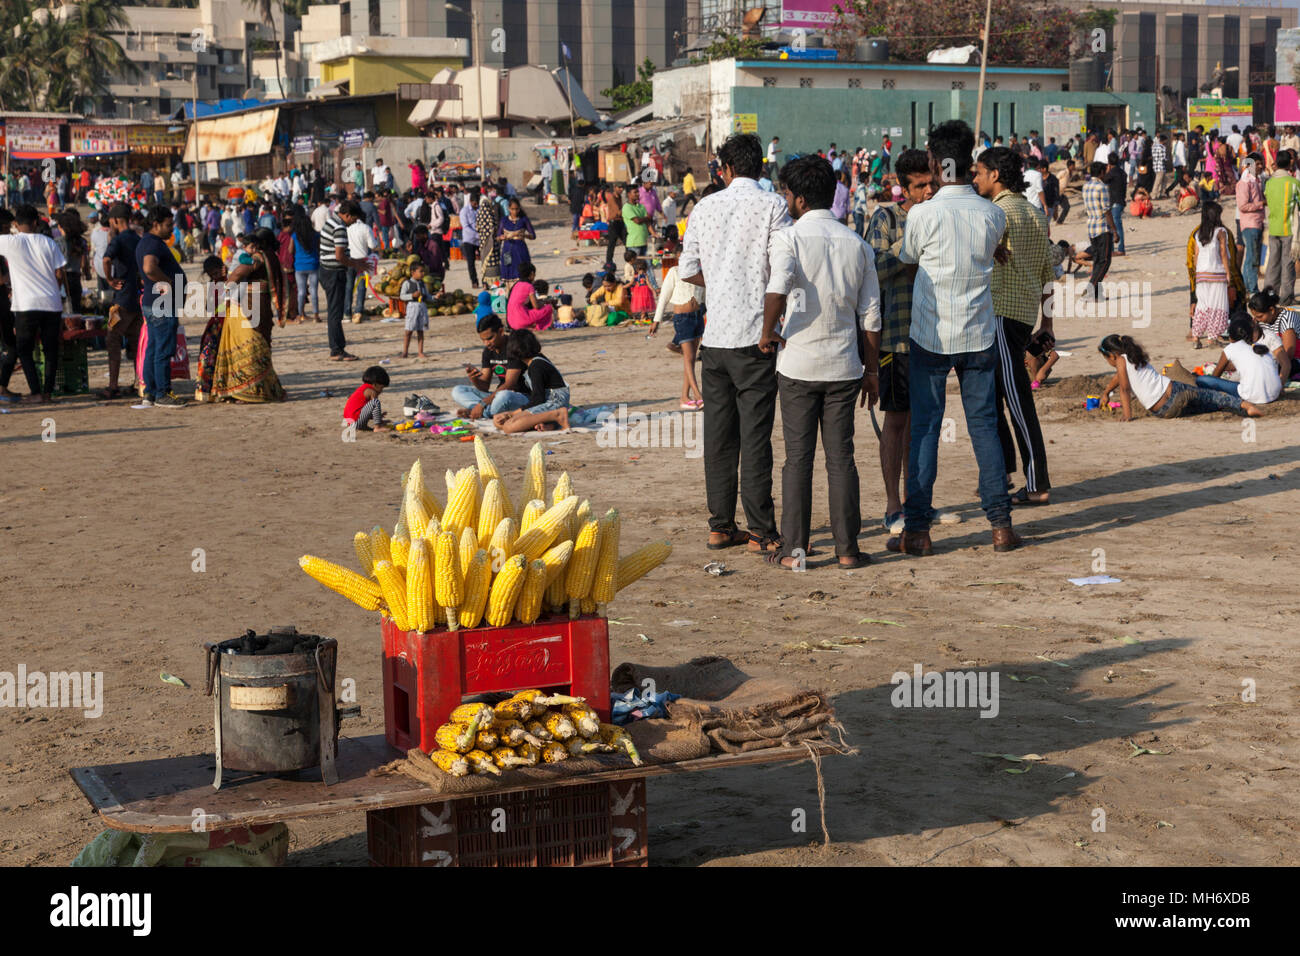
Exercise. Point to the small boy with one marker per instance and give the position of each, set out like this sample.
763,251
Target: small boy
417,313
1040,356
363,408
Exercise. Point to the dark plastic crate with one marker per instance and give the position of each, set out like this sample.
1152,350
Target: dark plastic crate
598,824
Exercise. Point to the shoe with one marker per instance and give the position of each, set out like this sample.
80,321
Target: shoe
911,542
145,403
170,401
411,406
894,522
1006,539
1035,385
947,517
424,404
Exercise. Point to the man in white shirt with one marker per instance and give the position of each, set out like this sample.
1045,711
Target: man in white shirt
361,243
1033,190
319,215
379,175
99,237
1103,151
1234,140
37,280
774,151
952,238
725,249
823,281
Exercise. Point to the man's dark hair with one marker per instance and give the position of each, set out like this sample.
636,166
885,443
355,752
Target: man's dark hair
811,179
159,214
212,266
952,143
351,208
1007,164
522,346
489,323
26,215
909,163
119,210
743,152
1284,158
1113,158
375,375
1096,170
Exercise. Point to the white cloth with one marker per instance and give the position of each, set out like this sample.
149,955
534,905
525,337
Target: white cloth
319,215
1033,190
1145,382
676,292
33,259
360,240
828,274
1259,378
1234,141
726,239
951,237
1102,154
1180,152
99,238
1270,339
379,175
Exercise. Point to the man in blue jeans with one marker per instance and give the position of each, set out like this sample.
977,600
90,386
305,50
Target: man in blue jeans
1116,181
478,398
163,295
953,238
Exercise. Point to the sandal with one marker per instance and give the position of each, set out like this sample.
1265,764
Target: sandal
110,393
860,560
733,537
1021,499
767,545
775,557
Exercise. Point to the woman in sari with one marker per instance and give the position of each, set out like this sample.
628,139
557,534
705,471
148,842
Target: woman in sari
488,224
242,370
513,231
1224,172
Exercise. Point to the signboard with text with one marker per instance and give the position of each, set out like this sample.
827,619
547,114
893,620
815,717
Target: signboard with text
354,138
1219,114
809,14
746,123
32,136
1061,124
304,144
86,140
149,137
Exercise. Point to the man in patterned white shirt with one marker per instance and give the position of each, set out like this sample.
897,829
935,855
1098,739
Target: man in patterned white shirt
953,238
725,249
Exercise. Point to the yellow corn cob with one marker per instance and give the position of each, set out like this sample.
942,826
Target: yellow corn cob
529,753
481,762
586,606
393,585
365,554
450,762
487,740
415,479
457,737
487,468
502,543
560,726
400,528
530,597
462,504
491,511
448,582
559,700
419,587
431,532
605,583
450,479
466,550
380,546
534,476
612,735
513,709
584,719
506,758
467,712
536,699
532,511
505,592
513,733
360,591
538,729
478,581
582,565
400,547
554,752
557,561
532,544
583,514
563,488
416,514
641,562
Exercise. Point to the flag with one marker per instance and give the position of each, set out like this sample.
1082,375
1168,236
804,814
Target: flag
564,48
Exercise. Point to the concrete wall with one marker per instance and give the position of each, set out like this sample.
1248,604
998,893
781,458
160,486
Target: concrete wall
382,74
903,76
512,155
807,120
700,90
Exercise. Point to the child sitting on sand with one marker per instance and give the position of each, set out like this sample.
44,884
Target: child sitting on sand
524,309
363,408
1136,376
417,313
1040,356
548,395
1259,379
609,302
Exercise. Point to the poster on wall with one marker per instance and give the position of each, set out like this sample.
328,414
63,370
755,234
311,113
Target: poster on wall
1061,123
152,137
745,123
32,136
809,14
1219,114
1286,105
304,144
87,140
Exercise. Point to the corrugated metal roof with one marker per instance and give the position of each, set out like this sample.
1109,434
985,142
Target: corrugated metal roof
639,131
232,137
18,114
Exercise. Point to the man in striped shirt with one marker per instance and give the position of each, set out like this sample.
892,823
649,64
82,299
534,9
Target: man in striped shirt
953,238
334,265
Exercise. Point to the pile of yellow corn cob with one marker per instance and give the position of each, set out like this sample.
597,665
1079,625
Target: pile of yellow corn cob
481,560
523,731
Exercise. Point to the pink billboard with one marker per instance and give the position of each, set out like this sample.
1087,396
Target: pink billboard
810,14
1286,105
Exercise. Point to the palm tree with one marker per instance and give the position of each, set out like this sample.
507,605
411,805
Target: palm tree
93,57
266,10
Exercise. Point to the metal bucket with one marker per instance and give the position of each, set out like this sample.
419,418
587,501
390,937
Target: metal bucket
274,712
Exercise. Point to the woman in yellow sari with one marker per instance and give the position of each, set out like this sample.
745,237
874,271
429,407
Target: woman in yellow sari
243,371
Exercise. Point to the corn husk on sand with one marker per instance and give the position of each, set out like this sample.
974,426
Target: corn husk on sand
485,561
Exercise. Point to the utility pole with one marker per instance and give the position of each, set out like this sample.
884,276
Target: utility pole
984,59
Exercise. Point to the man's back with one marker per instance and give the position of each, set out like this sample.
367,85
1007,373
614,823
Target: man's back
1280,195
727,239
951,237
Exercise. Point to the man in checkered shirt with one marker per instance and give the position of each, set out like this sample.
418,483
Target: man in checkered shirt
1101,225
1160,166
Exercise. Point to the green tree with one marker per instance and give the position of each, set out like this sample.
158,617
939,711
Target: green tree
47,63
266,10
92,57
627,96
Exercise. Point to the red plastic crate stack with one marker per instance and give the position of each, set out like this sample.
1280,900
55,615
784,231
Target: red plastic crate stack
600,824
427,675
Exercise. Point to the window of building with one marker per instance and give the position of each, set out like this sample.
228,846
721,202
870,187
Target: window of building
887,84
991,85
769,81
1034,87
855,83
959,84
203,69
805,82
164,105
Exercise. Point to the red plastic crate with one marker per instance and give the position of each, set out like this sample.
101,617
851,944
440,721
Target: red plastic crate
598,824
427,675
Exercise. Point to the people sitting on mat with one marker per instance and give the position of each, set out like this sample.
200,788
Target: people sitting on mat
479,397
548,395
524,309
1164,398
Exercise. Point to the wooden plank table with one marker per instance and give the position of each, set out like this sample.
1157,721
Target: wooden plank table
175,795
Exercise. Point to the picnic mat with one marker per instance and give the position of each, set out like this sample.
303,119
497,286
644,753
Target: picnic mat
736,712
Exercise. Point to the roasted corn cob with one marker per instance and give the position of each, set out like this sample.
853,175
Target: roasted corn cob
419,587
512,732
559,726
554,752
576,746
457,737
478,581
584,719
481,762
464,713
448,583
505,592
506,758
487,740
450,762
529,753
614,736
360,591
537,728
393,584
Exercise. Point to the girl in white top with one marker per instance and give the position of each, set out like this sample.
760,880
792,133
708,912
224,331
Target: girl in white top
1136,376
1259,379
686,302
